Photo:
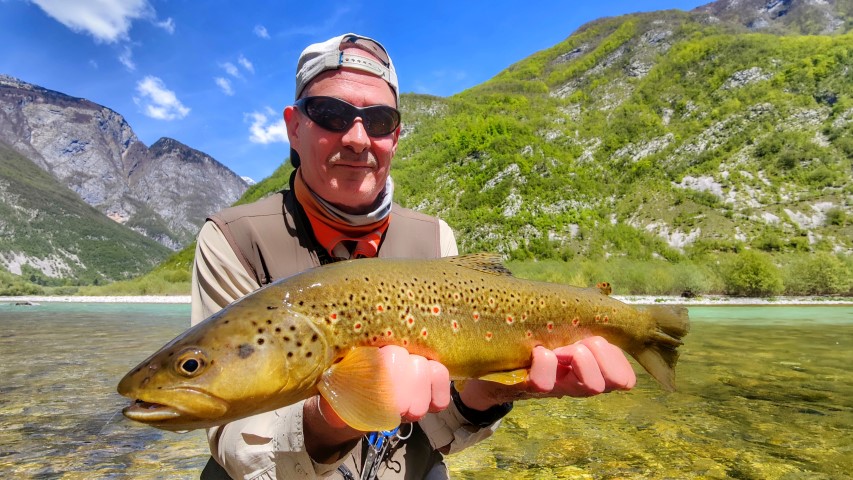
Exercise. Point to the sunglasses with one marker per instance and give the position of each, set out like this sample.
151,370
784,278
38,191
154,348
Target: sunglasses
336,115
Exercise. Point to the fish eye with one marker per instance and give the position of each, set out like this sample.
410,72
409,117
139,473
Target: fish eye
190,363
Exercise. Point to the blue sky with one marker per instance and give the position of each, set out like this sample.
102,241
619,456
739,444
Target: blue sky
216,74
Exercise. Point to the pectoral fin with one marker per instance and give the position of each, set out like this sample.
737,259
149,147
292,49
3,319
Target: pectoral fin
358,391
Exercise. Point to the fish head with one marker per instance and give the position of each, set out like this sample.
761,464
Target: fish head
239,362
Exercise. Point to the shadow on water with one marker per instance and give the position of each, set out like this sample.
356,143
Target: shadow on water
764,393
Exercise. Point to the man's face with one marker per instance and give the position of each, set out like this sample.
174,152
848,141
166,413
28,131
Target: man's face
349,168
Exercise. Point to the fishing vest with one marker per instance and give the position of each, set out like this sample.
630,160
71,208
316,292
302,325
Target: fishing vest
273,239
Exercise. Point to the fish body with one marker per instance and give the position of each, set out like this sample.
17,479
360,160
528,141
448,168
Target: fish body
319,331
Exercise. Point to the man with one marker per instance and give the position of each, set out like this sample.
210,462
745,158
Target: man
343,131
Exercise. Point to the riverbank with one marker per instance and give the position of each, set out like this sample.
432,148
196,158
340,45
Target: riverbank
631,299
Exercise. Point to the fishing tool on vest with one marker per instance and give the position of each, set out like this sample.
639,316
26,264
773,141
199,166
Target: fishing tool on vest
378,446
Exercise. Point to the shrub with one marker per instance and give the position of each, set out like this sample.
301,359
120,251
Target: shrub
751,274
818,274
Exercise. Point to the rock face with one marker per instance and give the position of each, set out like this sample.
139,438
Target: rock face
164,192
808,17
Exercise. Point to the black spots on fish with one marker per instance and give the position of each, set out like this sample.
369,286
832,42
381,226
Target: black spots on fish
301,303
309,354
269,322
293,328
277,329
314,338
289,354
261,331
272,307
260,341
226,322
245,350
285,338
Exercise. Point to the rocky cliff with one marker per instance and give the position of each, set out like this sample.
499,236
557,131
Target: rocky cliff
163,192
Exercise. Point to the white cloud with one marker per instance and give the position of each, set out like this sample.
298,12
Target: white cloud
224,85
261,31
159,102
264,130
126,58
167,25
231,69
105,20
246,64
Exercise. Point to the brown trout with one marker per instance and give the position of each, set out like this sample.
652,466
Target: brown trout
319,332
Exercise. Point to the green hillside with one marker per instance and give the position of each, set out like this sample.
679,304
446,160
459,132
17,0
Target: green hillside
660,153
33,203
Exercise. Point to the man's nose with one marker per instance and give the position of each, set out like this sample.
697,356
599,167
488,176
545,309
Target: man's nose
356,136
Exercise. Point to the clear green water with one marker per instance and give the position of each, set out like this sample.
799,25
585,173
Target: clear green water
764,393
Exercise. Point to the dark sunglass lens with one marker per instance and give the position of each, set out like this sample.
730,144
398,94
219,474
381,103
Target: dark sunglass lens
380,120
330,113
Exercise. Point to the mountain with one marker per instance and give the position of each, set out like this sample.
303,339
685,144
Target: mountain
164,191
664,134
48,234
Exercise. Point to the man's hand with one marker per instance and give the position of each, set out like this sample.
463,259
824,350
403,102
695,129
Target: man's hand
420,385
588,367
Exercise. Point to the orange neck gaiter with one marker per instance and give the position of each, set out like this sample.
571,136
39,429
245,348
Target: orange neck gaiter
330,229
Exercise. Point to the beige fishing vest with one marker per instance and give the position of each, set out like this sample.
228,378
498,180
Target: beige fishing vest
266,239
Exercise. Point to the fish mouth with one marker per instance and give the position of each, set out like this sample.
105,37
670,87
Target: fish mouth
147,412
177,409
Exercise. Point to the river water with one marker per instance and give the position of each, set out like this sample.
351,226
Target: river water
764,393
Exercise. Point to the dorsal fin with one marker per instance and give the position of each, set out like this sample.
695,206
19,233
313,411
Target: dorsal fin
482,262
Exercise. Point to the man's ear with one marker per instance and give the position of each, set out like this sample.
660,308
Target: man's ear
291,121
396,139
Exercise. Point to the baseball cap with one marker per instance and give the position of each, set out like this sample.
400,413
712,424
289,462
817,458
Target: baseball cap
329,55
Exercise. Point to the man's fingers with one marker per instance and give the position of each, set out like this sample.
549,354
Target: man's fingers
615,368
543,370
420,393
440,383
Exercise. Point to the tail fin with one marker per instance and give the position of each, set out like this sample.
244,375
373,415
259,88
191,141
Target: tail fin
660,354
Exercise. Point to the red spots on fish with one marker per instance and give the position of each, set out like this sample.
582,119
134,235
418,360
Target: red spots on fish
529,334
550,327
476,316
357,326
509,320
380,308
410,321
436,310
333,317
489,336
597,317
405,342
389,333
455,326
576,321
523,317
424,333
605,319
